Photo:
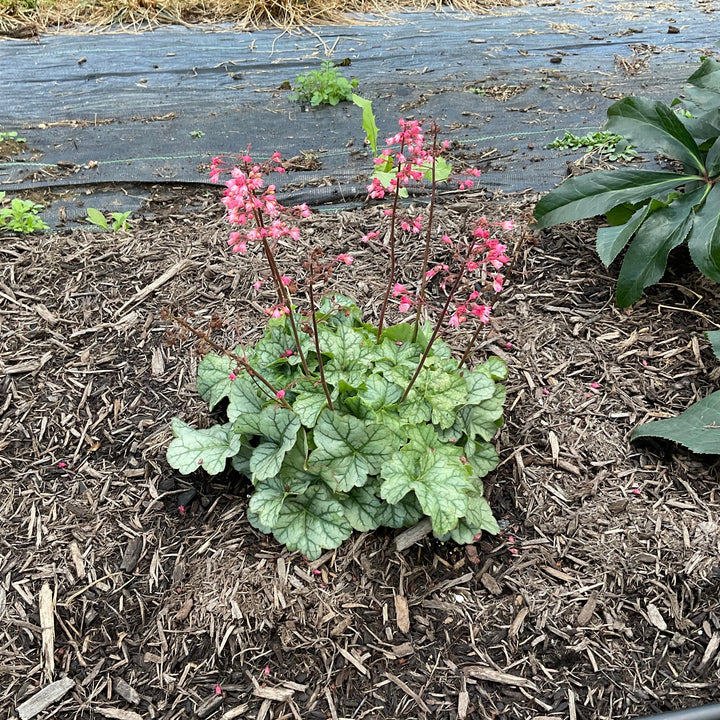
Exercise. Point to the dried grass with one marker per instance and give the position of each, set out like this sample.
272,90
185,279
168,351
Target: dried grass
19,17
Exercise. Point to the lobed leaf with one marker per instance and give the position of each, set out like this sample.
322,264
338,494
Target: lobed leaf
348,449
312,522
435,473
484,419
279,427
207,448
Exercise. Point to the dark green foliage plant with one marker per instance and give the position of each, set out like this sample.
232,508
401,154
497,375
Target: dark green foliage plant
698,428
653,212
325,86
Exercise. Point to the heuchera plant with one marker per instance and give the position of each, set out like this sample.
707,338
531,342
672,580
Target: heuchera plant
343,425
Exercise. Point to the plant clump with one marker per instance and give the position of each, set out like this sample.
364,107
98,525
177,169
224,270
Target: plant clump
325,86
344,425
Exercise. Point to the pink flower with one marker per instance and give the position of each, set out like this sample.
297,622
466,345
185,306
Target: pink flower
181,509
405,304
218,690
398,289
347,259
498,283
232,376
62,464
285,280
594,385
280,394
508,345
266,670
258,284
370,236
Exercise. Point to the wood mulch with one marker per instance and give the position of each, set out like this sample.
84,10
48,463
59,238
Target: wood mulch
599,600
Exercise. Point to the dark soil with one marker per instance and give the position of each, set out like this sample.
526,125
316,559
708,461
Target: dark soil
599,600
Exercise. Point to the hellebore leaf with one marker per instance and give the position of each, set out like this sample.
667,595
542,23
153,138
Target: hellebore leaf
698,428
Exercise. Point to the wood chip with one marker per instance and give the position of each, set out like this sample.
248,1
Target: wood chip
412,535
209,706
403,650
408,691
132,554
354,661
118,713
402,614
77,559
154,285
278,694
559,574
45,698
517,623
480,672
709,654
126,691
184,611
587,611
655,617
46,607
28,365
45,314
490,584
235,712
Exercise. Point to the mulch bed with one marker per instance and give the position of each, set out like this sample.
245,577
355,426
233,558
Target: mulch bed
600,598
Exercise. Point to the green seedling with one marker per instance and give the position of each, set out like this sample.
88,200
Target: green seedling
21,217
10,136
614,147
197,134
119,220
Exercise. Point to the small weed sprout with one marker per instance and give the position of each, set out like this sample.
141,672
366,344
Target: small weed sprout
119,221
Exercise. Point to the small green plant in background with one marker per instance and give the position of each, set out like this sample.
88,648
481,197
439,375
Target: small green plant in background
698,428
196,134
11,136
654,211
323,87
22,216
119,220
613,147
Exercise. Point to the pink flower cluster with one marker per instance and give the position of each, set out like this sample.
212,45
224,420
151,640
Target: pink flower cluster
411,161
252,205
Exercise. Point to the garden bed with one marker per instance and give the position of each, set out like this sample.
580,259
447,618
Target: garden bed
599,599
